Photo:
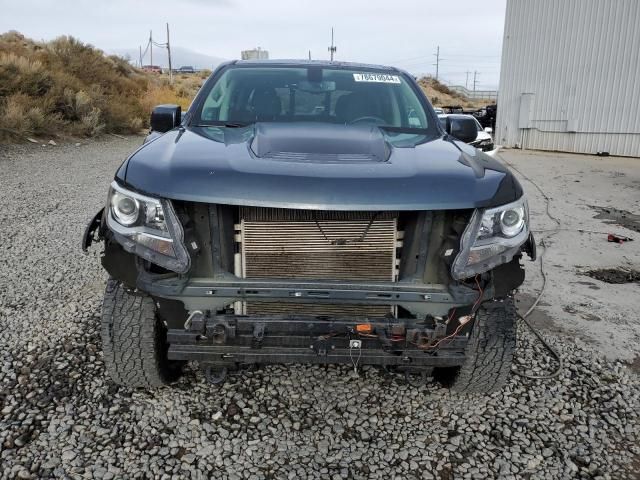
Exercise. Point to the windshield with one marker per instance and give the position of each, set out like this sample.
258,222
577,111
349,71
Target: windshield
244,95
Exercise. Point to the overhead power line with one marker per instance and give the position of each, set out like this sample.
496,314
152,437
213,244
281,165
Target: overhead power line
408,59
150,44
143,54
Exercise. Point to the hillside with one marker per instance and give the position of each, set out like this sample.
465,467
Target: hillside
67,88
440,94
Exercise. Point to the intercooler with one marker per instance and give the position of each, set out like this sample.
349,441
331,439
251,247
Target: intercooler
317,245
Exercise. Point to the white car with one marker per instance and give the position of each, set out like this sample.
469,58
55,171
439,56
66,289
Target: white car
483,141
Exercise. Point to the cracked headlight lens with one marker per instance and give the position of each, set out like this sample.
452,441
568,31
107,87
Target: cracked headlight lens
492,237
147,227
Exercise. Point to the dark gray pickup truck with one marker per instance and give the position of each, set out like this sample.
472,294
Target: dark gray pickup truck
311,212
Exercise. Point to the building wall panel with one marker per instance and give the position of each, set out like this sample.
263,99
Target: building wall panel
580,60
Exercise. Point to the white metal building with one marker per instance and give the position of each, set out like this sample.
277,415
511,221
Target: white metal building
570,76
254,54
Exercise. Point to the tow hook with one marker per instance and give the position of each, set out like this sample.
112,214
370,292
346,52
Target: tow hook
195,321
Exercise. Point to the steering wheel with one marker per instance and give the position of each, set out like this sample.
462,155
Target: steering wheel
368,119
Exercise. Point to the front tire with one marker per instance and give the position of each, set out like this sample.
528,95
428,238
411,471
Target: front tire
134,340
489,353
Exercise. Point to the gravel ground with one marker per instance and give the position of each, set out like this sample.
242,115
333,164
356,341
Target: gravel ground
61,417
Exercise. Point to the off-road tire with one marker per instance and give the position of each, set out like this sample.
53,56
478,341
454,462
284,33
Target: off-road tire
134,340
489,353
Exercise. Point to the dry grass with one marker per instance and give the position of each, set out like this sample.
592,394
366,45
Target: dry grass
181,93
441,95
67,88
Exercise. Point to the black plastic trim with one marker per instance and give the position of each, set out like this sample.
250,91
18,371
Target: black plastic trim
314,291
90,236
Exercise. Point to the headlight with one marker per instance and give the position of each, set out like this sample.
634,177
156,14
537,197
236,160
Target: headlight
147,227
492,237
512,221
125,209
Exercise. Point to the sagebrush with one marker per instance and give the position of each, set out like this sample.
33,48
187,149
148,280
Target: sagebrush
65,87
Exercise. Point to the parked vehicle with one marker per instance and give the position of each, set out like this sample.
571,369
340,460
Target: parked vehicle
453,109
152,68
483,140
258,228
486,116
186,69
489,120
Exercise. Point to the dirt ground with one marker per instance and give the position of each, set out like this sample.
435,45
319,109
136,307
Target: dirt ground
604,315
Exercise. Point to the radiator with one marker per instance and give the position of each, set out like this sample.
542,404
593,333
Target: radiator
317,245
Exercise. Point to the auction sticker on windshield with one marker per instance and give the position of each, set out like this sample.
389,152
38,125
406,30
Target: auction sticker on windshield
376,78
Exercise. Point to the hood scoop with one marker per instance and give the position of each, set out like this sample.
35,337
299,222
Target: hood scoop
320,143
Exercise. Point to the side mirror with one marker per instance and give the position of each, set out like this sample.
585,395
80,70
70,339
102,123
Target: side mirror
488,130
165,118
464,129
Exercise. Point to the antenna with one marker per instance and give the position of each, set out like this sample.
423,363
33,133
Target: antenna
332,48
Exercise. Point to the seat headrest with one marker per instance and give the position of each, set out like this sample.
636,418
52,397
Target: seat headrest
266,104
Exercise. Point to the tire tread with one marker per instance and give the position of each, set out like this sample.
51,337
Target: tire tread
132,339
490,349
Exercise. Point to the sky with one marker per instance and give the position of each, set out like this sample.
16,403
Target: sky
403,33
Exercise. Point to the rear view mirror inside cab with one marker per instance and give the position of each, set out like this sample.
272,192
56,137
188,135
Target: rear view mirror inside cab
316,87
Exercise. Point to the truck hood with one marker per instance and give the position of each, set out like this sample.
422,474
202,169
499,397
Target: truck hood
318,166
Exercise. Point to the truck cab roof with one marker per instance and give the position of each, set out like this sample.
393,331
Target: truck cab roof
319,63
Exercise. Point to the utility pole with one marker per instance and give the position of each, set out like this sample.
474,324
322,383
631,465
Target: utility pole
466,82
169,55
475,74
309,54
437,64
151,45
332,48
